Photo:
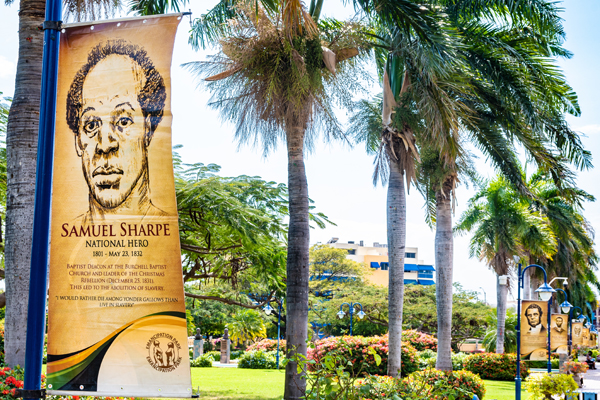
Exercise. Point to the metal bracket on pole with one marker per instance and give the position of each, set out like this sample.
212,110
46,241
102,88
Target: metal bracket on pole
52,25
30,394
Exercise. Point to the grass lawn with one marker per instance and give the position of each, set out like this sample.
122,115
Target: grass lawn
263,384
238,384
501,390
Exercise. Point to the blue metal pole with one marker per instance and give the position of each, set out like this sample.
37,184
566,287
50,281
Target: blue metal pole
518,377
351,313
278,333
38,285
548,330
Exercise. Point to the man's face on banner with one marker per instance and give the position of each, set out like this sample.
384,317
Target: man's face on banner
533,316
112,131
559,322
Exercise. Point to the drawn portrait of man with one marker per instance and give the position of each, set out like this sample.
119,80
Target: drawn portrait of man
534,315
558,327
114,105
577,331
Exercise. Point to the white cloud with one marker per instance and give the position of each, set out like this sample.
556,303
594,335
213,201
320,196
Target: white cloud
589,130
7,68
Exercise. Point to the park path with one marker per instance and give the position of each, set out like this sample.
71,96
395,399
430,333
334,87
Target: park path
591,381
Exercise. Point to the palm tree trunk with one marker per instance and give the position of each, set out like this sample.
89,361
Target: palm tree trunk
297,260
527,285
21,148
444,253
396,232
502,294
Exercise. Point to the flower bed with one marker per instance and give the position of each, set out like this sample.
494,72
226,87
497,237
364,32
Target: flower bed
356,349
499,367
419,340
465,383
267,345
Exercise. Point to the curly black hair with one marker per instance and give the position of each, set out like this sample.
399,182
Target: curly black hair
534,306
151,97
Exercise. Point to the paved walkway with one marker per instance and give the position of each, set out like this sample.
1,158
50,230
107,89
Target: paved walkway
591,380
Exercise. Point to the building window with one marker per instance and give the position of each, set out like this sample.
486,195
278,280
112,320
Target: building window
426,275
352,252
411,255
385,266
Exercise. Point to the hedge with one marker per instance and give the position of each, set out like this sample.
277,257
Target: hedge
419,340
499,367
355,349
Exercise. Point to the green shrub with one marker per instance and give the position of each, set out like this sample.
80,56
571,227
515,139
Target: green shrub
356,350
460,384
422,385
427,359
499,367
458,361
267,345
544,386
543,363
216,355
203,361
419,340
257,360
234,355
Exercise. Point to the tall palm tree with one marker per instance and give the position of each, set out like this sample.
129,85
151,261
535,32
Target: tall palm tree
288,98
499,217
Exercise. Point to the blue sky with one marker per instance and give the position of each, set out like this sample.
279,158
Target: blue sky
340,176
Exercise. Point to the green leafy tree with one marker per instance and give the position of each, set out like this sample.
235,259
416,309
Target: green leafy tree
510,332
499,217
246,326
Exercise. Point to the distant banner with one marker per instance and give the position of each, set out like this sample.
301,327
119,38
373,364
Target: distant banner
585,337
559,335
534,329
117,324
577,337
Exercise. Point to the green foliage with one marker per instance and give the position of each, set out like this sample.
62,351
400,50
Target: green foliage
510,331
328,265
468,314
464,383
246,325
211,316
545,386
267,345
427,359
419,340
258,360
204,361
500,367
363,353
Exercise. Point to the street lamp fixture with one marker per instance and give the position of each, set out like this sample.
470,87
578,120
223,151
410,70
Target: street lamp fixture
268,309
566,307
341,314
545,291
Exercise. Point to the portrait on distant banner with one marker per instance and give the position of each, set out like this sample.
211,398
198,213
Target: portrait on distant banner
559,335
534,329
577,328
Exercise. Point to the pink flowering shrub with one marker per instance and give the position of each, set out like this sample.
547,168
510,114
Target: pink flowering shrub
267,345
419,340
356,350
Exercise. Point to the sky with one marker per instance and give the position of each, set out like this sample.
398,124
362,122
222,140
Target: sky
339,175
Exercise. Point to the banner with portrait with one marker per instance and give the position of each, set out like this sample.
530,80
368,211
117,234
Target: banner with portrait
534,327
559,333
577,329
117,324
585,337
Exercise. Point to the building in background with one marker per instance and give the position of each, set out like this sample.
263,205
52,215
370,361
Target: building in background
376,258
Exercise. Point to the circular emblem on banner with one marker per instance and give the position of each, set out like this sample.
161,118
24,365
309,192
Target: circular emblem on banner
163,352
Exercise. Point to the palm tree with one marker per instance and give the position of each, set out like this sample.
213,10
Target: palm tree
499,217
510,333
287,98
246,326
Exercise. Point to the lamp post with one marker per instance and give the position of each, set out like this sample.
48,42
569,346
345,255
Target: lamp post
341,314
484,296
268,309
545,292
